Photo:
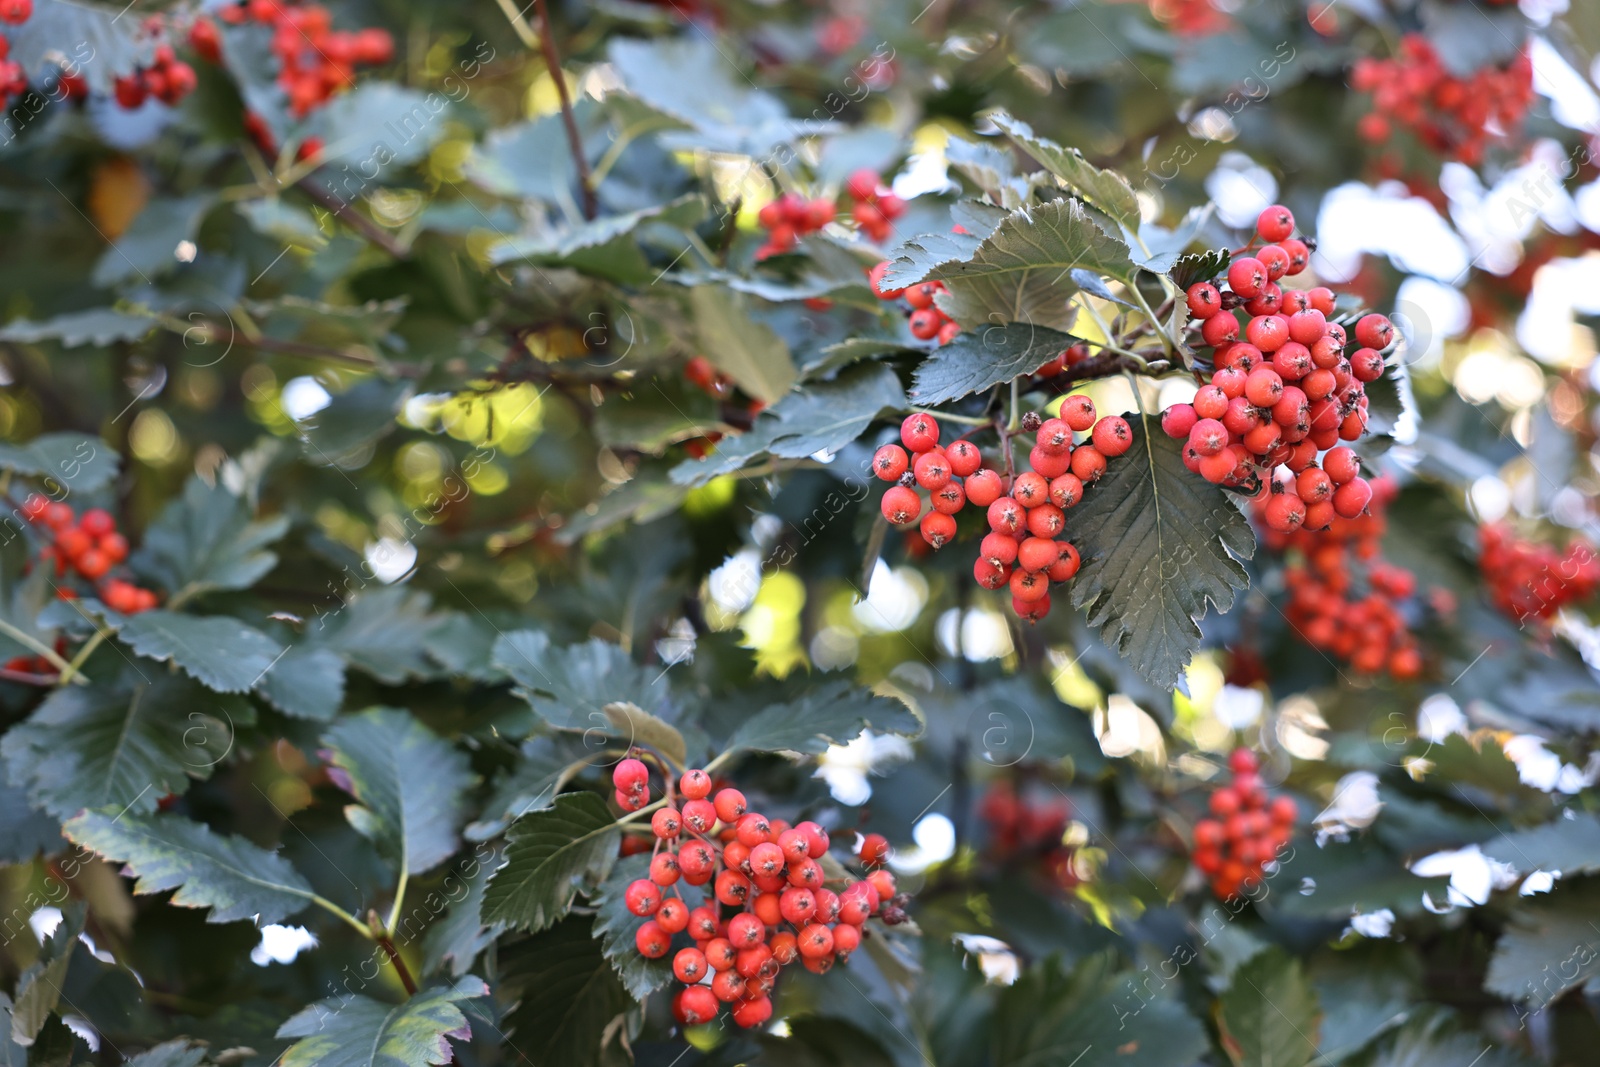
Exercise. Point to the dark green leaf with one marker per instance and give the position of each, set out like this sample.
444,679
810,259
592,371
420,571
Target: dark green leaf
987,356
379,123
616,926
353,420
1269,1015
149,247
547,853
208,541
77,462
1550,945
1159,545
179,1053
544,765
39,987
746,350
386,632
1427,1044
126,744
568,995
25,831
98,326
1569,845
820,417
307,683
461,935
218,651
229,875
834,713
1199,267
605,248
104,46
1103,189
570,687
411,785
357,1031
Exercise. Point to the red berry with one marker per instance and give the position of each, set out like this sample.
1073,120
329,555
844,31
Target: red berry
984,488
876,282
925,324
664,869
1178,420
919,432
753,1012
932,469
643,897
694,1004
901,505
890,462
964,458
1341,464
730,804
1246,276
652,941
874,849
1351,498
1067,563
1374,331
1066,490
1088,464
938,528
1077,411
1112,436
1275,223
1203,299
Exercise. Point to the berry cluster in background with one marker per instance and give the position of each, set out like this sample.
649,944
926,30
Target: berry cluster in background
1026,512
1285,392
316,60
770,904
1345,599
1528,580
1454,117
167,79
1027,827
1245,832
87,547
928,322
791,216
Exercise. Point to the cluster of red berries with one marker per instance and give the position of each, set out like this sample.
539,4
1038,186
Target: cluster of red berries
90,547
36,665
1030,826
13,79
1530,580
1026,516
875,207
1246,831
1345,599
1285,392
928,322
1191,18
1453,116
789,218
771,905
167,79
316,61
1065,361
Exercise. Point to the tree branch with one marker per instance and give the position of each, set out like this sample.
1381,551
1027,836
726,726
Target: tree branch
552,62
352,218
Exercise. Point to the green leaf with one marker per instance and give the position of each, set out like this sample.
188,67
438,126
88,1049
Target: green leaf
179,1053
544,765
354,420
149,247
570,687
97,326
357,1031
379,123
1568,845
461,935
1269,1015
39,987
1103,189
547,852
529,159
125,744
1019,273
411,785
1199,267
1092,1017
616,926
385,632
605,248
987,356
78,462
104,45
307,683
25,831
1549,946
218,651
229,875
834,713
1159,544
568,994
820,417
746,350
208,541
638,727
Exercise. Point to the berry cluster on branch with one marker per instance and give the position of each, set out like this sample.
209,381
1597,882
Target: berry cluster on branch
1453,116
1530,580
1029,826
770,907
88,547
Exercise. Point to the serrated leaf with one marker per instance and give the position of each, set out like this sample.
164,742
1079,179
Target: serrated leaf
179,1053
820,417
208,541
357,1031
1103,189
286,223
544,765
977,217
39,987
103,45
1019,273
604,248
229,875
379,122
307,683
531,159
570,687
616,926
1426,1044
835,713
410,782
78,462
385,632
1571,846
1198,267
568,995
25,831
638,727
987,356
1269,1016
547,852
1089,1018
461,935
1549,946
148,248
746,350
97,326
126,744
218,651
1160,546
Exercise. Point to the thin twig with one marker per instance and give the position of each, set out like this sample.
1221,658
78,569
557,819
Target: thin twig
552,61
352,218
399,965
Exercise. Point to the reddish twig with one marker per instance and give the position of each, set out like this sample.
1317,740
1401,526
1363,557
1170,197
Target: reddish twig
552,61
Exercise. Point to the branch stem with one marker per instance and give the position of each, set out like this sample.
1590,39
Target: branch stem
552,62
50,655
